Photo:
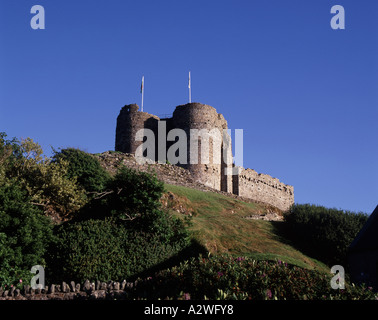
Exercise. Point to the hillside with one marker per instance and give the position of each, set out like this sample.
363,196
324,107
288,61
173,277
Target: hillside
111,227
219,223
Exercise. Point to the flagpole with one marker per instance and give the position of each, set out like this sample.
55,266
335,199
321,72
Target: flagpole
142,89
190,90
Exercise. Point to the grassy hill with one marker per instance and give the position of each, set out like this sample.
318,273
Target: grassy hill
219,224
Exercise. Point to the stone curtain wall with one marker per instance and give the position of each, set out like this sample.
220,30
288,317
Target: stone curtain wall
176,175
264,188
168,173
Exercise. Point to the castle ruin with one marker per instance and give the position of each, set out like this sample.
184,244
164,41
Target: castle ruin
218,149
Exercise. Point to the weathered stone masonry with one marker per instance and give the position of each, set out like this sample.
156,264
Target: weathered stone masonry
247,183
264,188
74,291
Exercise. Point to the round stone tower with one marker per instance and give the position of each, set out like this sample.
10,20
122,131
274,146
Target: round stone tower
129,121
204,149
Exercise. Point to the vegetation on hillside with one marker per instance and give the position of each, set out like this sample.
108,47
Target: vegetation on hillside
323,233
114,228
45,182
24,235
241,278
69,215
86,170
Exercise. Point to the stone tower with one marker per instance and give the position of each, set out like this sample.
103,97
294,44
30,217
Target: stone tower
129,121
210,164
209,167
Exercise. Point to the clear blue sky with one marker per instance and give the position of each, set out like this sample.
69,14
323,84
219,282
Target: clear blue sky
305,95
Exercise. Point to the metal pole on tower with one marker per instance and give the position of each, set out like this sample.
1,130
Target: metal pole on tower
142,91
190,92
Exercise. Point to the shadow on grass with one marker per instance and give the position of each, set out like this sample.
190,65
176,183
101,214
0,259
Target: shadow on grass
282,231
55,275
193,250
286,235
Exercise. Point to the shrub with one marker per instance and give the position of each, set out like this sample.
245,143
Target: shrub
24,235
226,277
9,149
108,250
85,168
45,182
131,196
138,191
122,232
324,233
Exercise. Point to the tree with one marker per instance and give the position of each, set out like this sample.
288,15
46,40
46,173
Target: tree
24,234
46,183
129,196
85,168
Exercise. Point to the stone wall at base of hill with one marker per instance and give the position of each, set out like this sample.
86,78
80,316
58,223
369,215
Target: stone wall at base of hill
72,291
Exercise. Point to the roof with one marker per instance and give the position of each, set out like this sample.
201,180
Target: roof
367,238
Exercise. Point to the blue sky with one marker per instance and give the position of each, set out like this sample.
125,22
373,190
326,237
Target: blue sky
305,95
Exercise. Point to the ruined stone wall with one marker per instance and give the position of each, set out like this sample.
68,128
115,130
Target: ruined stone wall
111,161
97,290
264,188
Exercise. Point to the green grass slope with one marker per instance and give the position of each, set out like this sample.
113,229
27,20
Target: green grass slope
219,224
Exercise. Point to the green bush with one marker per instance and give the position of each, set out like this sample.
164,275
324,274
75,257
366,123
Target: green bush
133,197
24,235
109,250
137,190
85,168
226,277
9,149
324,233
45,182
121,233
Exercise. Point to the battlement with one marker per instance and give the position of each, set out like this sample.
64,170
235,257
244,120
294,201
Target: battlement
246,183
262,187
